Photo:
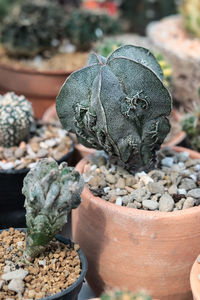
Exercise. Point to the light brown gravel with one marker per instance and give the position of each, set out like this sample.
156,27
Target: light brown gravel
61,269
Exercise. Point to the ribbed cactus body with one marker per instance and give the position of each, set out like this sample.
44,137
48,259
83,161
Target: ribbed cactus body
51,193
190,10
16,116
118,104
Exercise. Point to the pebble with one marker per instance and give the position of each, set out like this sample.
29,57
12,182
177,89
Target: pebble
181,191
187,184
194,193
17,285
189,202
166,203
167,161
19,152
17,274
140,194
155,188
183,156
110,178
151,205
172,189
119,201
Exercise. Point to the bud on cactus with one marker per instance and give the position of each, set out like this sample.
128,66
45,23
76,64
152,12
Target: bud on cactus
190,10
118,104
122,295
51,192
16,116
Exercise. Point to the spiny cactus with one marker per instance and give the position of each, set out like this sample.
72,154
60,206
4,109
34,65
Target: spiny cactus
123,295
51,193
16,117
190,10
33,28
85,27
118,104
191,125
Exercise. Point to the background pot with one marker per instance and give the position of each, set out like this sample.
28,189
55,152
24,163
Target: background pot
169,37
194,280
71,293
12,212
137,249
40,87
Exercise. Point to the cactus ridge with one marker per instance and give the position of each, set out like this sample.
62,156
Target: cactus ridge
118,104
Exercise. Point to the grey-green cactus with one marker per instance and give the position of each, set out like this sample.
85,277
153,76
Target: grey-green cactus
33,28
118,104
16,117
124,295
51,192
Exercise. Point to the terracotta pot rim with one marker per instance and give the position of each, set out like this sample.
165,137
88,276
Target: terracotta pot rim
30,70
99,202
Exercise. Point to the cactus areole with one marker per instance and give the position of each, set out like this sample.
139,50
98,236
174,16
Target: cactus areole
118,104
51,193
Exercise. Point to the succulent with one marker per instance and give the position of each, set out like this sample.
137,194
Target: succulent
124,295
191,125
85,27
118,104
51,193
190,10
16,117
22,34
139,13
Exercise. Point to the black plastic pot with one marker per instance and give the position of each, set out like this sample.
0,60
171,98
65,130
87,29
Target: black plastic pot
12,212
71,293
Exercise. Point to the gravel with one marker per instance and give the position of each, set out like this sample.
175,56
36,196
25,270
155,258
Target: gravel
175,185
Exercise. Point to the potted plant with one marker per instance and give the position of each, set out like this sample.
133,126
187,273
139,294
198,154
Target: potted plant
117,294
31,57
121,106
23,141
36,266
177,37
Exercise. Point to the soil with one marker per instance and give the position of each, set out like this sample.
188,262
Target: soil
51,272
66,62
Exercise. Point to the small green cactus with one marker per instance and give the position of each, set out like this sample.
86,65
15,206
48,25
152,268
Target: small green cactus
166,68
51,193
108,46
118,104
85,27
123,295
33,28
190,11
16,117
191,125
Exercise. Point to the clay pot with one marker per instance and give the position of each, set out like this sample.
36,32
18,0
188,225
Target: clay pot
40,87
194,280
137,249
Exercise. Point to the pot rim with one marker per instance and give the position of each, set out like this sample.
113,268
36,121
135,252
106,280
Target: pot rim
33,71
133,212
84,266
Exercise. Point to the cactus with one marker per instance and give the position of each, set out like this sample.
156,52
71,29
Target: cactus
166,68
139,13
123,295
108,46
118,104
191,125
22,34
51,192
85,27
190,11
16,117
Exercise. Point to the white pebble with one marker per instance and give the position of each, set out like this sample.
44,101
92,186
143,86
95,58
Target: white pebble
6,166
119,201
17,274
167,161
181,192
32,165
197,167
42,262
106,189
93,167
181,164
194,177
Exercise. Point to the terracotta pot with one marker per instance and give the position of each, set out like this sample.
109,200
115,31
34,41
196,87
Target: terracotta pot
194,280
137,249
40,87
